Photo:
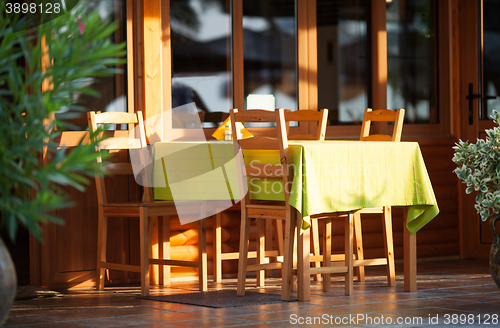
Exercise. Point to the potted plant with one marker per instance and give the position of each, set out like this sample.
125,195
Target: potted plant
479,169
79,49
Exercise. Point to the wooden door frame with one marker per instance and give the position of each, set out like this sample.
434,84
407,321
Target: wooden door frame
470,23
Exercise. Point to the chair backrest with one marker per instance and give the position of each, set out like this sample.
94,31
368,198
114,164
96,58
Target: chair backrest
382,115
115,142
320,117
278,143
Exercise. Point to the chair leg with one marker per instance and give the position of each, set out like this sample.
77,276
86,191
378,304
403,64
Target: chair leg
217,247
349,253
279,239
164,228
244,241
102,232
202,253
327,252
295,258
260,251
389,246
269,233
153,252
286,279
316,248
161,255
359,245
303,259
144,250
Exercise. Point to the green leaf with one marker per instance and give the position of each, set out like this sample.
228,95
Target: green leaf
29,189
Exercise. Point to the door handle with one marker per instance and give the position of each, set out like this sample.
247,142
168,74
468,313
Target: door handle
471,96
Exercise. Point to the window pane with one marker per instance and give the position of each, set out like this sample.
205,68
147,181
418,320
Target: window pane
112,89
412,58
342,62
269,42
201,53
491,60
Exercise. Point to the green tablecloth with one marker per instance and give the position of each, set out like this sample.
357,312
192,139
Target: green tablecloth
328,176
195,171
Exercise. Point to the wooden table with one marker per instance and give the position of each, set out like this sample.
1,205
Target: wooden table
338,176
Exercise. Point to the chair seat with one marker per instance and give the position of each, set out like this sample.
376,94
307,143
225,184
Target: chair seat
333,214
260,203
266,206
140,204
146,211
160,208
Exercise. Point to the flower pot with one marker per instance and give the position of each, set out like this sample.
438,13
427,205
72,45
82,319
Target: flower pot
495,253
8,282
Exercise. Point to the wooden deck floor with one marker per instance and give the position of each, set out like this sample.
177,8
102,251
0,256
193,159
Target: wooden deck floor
450,293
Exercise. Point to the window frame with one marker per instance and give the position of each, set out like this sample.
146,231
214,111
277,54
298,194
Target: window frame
306,52
379,76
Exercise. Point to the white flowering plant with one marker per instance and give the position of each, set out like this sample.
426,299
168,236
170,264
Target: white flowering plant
479,169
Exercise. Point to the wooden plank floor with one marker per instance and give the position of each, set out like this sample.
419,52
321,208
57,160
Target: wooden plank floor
447,290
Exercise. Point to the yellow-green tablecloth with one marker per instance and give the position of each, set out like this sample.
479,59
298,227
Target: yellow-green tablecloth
328,176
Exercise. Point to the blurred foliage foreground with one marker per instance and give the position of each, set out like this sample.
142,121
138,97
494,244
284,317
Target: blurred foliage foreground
80,49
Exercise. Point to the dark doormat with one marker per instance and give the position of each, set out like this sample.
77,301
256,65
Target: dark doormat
220,298
30,292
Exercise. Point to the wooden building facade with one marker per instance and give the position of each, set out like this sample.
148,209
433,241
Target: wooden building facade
421,55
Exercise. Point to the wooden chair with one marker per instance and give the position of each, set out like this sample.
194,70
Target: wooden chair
320,117
219,255
145,211
359,261
275,210
380,115
267,210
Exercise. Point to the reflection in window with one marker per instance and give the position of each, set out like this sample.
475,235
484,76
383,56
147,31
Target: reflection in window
342,61
201,53
411,59
269,38
112,89
491,60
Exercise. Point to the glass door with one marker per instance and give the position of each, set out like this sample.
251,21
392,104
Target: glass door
480,89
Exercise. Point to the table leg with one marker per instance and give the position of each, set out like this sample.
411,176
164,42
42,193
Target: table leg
217,231
303,261
410,257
